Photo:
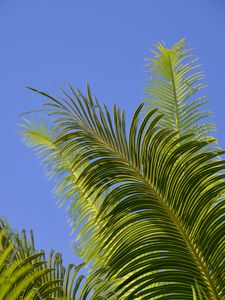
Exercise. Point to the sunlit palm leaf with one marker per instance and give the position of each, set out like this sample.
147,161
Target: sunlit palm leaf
27,274
174,88
164,223
83,207
23,278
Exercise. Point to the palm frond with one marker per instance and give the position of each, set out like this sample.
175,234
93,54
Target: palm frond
83,207
164,215
175,88
26,274
22,276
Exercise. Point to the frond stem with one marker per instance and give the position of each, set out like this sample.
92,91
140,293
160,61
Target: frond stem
175,95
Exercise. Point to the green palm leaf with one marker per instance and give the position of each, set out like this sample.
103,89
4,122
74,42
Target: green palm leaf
26,274
164,216
198,293
174,88
83,207
23,278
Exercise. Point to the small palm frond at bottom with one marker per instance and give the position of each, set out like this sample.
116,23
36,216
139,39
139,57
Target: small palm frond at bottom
28,274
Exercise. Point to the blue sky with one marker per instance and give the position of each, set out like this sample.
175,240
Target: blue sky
47,43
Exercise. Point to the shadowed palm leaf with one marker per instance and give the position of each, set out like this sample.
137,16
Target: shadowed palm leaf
164,215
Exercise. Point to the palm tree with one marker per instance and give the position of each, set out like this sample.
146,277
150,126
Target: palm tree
149,199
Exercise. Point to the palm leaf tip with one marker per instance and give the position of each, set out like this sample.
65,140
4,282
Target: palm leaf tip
174,88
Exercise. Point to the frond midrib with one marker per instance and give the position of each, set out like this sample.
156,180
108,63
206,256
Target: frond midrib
177,119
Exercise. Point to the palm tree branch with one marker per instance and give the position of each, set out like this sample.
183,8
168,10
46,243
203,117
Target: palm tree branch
172,88
127,168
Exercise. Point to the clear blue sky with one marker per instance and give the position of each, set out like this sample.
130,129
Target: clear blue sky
46,43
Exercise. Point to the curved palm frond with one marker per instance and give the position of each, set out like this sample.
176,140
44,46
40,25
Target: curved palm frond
83,207
26,274
175,82
164,215
22,276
